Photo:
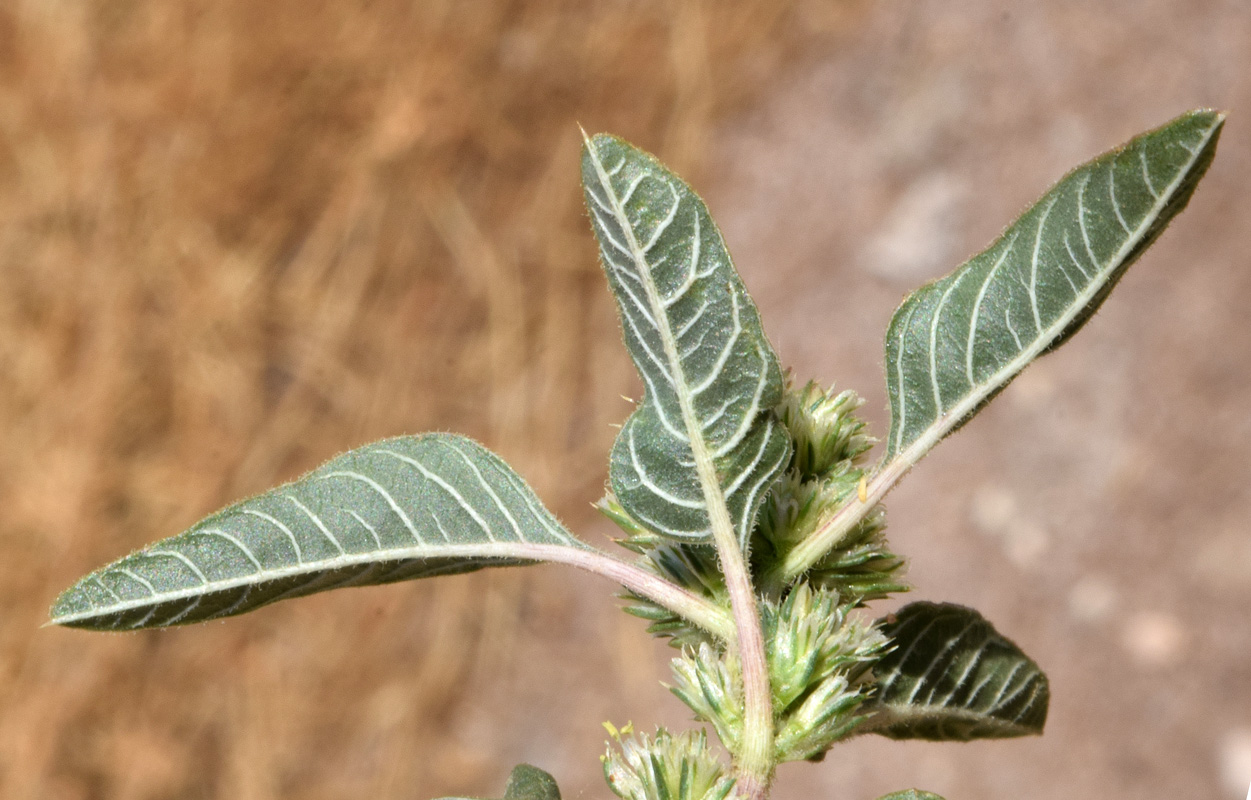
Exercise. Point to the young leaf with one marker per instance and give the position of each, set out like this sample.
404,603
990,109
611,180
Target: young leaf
704,442
955,343
527,783
952,677
403,508
910,794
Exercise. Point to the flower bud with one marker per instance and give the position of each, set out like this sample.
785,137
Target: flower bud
824,717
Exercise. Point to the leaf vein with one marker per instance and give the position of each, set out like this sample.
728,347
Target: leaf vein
316,520
390,501
175,554
430,475
295,544
977,308
716,370
367,526
1033,269
247,551
1116,204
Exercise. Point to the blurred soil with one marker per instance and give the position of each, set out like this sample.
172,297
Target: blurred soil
237,238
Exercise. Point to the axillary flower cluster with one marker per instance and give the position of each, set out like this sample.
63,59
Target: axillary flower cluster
820,649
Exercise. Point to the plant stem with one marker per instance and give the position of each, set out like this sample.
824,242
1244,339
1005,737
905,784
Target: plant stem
754,760
684,603
755,757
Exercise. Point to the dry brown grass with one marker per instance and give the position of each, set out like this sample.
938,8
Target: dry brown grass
238,237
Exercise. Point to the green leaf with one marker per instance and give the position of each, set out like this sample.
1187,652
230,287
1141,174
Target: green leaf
910,794
409,507
530,783
527,783
704,445
952,677
955,343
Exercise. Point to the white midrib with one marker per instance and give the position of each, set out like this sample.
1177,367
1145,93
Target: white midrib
758,703
888,475
714,498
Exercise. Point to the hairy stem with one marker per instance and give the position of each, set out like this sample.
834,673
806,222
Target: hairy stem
754,760
688,605
755,757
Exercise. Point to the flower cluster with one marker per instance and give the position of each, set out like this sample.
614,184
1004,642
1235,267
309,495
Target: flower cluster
824,475
819,660
711,683
819,653
824,427
819,657
666,767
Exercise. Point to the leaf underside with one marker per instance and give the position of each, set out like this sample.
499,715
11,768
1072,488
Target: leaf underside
398,509
695,336
952,677
953,344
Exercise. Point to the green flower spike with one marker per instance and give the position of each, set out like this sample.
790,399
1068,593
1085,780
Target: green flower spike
666,767
711,684
819,660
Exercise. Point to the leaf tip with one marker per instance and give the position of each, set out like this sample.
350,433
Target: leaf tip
73,609
66,605
1217,115
1207,121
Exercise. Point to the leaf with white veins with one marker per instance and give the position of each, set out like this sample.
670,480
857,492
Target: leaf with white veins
955,343
398,509
704,442
953,677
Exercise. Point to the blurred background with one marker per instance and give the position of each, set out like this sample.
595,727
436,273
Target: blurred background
237,238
